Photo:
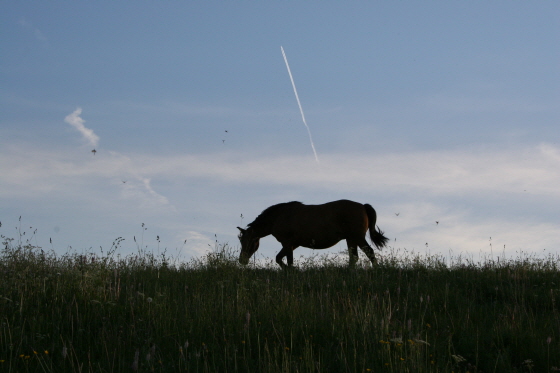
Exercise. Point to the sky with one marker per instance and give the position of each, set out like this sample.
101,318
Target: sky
443,115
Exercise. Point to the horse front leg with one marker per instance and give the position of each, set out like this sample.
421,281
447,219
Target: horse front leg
287,252
280,257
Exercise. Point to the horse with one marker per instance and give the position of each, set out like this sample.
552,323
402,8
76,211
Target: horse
294,224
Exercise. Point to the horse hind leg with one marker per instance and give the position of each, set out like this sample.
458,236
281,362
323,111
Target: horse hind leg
353,254
367,249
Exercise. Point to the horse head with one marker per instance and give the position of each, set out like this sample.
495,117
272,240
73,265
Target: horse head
249,244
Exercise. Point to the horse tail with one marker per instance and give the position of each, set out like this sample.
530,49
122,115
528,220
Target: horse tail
377,236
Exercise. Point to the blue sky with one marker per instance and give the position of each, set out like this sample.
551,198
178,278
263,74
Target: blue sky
435,111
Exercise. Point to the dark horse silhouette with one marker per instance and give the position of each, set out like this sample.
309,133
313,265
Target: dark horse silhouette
294,224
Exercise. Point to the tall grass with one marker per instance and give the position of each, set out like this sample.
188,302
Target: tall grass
92,313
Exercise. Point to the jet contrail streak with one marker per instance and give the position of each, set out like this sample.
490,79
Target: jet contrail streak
299,104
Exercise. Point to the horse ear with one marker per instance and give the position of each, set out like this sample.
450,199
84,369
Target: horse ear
241,230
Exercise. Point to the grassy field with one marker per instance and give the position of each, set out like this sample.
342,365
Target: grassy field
91,313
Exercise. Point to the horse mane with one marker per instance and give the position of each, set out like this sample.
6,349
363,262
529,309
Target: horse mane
268,216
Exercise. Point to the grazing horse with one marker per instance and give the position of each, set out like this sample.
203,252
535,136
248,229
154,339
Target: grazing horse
294,224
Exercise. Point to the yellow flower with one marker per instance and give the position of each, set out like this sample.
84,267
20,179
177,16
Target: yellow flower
46,352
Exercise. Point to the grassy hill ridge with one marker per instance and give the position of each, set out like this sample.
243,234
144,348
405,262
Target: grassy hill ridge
90,313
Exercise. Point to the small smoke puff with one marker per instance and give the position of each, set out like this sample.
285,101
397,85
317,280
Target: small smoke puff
77,122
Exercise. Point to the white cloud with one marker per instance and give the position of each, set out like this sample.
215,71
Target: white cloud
196,243
77,122
534,170
474,194
451,172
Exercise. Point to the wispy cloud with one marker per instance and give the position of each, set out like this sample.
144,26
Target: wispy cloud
449,172
77,122
140,189
36,32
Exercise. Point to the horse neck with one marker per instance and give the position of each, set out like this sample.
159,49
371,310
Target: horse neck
262,231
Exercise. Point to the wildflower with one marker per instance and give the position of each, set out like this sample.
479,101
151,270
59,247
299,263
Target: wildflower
46,352
149,300
421,342
458,358
135,362
247,319
287,349
151,353
35,352
528,363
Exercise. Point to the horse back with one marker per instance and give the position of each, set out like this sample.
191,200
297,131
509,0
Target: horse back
321,225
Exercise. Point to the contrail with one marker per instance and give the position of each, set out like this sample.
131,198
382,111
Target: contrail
299,104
